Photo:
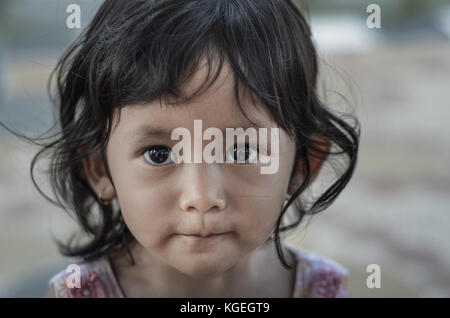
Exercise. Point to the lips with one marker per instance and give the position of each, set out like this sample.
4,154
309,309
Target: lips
205,235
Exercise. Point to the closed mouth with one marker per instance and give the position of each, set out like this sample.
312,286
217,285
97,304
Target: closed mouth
205,236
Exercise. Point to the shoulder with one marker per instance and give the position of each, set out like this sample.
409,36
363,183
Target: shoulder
319,276
84,280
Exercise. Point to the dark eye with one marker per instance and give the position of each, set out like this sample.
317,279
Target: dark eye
242,153
158,155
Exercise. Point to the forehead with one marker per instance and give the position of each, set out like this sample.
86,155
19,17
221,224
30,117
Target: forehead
216,107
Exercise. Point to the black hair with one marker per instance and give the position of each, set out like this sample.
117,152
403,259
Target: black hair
138,51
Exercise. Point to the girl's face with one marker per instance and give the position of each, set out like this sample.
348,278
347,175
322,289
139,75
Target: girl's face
163,204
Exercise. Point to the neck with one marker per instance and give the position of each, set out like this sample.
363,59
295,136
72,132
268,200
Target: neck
151,277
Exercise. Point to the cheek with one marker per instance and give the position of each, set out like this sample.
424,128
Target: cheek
258,217
144,219
145,208
261,201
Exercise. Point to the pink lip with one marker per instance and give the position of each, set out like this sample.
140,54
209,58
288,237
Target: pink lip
204,238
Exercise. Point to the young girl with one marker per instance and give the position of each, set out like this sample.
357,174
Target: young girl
155,228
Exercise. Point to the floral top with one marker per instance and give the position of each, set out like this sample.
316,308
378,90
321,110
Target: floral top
316,277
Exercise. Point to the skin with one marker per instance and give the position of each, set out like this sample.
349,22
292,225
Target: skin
161,203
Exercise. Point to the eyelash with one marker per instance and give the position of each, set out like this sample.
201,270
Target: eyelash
164,146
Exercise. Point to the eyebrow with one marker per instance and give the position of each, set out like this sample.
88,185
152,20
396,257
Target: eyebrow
147,131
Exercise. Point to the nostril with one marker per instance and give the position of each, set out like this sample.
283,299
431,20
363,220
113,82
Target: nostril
203,205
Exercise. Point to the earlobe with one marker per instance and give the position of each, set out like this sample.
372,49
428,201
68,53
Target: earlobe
316,160
96,176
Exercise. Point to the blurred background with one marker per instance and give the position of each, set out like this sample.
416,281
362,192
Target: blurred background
393,213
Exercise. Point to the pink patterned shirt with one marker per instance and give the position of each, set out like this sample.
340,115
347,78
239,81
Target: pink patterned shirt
316,277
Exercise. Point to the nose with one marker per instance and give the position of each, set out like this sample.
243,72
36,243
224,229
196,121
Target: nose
202,189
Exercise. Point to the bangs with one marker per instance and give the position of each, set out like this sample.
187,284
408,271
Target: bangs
153,48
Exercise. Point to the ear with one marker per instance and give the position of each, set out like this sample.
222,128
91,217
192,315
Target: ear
97,177
316,160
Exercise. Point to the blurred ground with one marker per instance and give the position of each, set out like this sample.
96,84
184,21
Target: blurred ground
394,212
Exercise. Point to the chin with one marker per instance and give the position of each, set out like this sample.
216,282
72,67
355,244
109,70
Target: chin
202,268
